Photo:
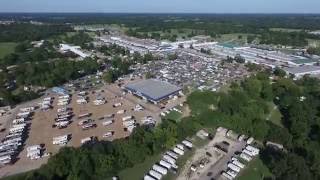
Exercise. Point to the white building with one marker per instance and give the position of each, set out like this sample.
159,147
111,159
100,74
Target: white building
300,71
75,49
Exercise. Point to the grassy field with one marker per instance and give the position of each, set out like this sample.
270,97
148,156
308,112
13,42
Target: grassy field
137,172
285,29
256,170
6,48
174,115
233,38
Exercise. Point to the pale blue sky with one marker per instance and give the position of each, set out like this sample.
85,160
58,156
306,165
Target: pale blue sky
163,6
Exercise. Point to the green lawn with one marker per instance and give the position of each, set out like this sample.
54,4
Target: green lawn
255,170
174,115
137,172
233,38
285,29
6,48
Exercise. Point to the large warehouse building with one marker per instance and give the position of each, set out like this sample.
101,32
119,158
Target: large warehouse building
153,90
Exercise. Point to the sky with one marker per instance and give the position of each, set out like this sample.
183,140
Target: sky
162,6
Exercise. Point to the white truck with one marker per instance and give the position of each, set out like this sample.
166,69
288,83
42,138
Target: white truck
23,115
16,130
254,150
60,140
160,169
147,177
34,147
126,118
63,109
27,109
187,143
84,115
5,160
18,121
85,140
64,97
47,99
117,105
245,157
99,102
108,134
121,111
238,163
165,164
82,101
224,174
180,146
248,152
178,151
169,159
107,123
233,167
155,174
128,123
232,173
172,154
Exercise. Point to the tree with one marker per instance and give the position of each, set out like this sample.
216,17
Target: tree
109,77
279,72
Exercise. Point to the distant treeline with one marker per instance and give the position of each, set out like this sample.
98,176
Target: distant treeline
18,32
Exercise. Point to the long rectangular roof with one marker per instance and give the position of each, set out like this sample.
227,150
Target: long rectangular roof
302,69
153,89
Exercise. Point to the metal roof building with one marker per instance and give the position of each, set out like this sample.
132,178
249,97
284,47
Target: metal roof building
303,70
153,90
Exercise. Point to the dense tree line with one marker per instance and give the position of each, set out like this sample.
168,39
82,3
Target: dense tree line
79,39
19,32
50,74
244,109
44,74
284,38
25,53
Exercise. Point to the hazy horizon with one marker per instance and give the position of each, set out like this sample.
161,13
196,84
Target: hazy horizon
163,6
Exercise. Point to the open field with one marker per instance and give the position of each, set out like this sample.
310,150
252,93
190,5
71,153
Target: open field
256,170
174,115
233,38
7,48
285,29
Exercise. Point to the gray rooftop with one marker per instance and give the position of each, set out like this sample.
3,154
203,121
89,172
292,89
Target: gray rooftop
153,89
302,69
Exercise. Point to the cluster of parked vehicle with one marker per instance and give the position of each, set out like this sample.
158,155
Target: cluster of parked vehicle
168,161
10,146
64,116
61,140
46,103
235,166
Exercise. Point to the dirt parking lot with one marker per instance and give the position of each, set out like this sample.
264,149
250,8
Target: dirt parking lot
41,131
